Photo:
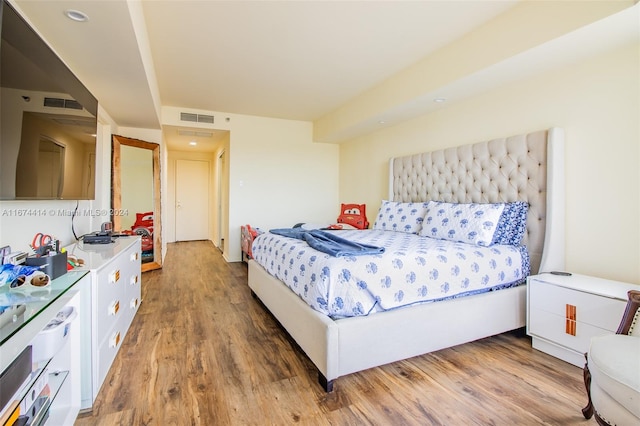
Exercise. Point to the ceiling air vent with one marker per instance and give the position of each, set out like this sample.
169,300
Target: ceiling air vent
62,103
77,122
196,118
196,134
71,104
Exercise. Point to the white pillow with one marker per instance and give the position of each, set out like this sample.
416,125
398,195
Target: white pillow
400,217
479,224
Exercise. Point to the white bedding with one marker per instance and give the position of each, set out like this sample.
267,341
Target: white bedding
413,269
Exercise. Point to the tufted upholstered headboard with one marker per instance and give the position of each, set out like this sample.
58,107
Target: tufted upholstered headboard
528,167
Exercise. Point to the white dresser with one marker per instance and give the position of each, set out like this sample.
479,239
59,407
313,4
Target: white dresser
114,298
565,312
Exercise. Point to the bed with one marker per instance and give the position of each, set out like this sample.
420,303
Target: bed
527,168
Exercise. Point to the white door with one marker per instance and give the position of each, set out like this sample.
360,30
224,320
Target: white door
192,200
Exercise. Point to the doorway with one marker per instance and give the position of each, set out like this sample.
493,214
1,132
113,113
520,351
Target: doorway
192,200
50,171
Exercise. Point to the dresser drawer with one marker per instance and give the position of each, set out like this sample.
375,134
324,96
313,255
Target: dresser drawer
110,283
109,312
133,303
134,256
108,350
132,288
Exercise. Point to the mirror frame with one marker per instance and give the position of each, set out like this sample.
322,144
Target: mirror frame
116,196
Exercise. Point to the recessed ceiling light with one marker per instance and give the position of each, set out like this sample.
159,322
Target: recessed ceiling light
439,100
76,15
193,143
380,121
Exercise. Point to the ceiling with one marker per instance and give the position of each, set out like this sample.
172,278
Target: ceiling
296,60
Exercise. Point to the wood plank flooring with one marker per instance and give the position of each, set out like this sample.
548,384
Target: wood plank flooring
202,351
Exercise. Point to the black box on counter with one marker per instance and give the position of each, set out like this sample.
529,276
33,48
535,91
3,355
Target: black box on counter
12,378
54,266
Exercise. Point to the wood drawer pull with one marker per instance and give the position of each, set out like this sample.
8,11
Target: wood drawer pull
114,341
114,277
134,303
133,257
134,280
570,320
114,307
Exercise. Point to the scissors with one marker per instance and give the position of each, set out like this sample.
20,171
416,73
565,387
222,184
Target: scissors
41,242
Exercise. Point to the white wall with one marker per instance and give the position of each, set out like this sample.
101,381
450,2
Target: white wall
279,177
596,101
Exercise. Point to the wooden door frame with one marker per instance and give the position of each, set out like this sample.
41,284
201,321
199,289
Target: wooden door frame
116,196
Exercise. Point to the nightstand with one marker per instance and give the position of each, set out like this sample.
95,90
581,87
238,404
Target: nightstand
565,312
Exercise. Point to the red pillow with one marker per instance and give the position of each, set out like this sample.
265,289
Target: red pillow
354,215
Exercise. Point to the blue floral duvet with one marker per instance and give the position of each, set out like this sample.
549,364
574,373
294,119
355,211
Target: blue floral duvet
413,269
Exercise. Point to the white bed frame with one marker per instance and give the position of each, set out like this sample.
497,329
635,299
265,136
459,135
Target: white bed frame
343,346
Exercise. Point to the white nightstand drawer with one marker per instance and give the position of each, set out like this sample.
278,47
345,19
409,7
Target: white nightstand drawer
562,331
598,311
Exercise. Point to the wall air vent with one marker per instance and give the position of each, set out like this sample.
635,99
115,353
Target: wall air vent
62,103
196,118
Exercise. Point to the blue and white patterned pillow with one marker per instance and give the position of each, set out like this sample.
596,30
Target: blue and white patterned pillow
475,223
401,217
512,224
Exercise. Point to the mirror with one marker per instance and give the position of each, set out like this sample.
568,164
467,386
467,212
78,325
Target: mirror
135,195
47,121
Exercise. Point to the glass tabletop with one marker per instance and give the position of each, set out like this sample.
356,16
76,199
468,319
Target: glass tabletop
18,307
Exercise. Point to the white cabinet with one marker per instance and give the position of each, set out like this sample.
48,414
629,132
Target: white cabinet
113,301
565,312
62,371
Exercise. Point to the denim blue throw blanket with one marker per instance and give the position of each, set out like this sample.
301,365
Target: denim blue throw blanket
328,242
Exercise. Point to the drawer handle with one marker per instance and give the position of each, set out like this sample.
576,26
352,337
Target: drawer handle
134,303
134,280
114,307
114,341
114,276
570,319
134,256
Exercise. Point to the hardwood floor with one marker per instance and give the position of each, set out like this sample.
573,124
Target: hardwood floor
202,351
